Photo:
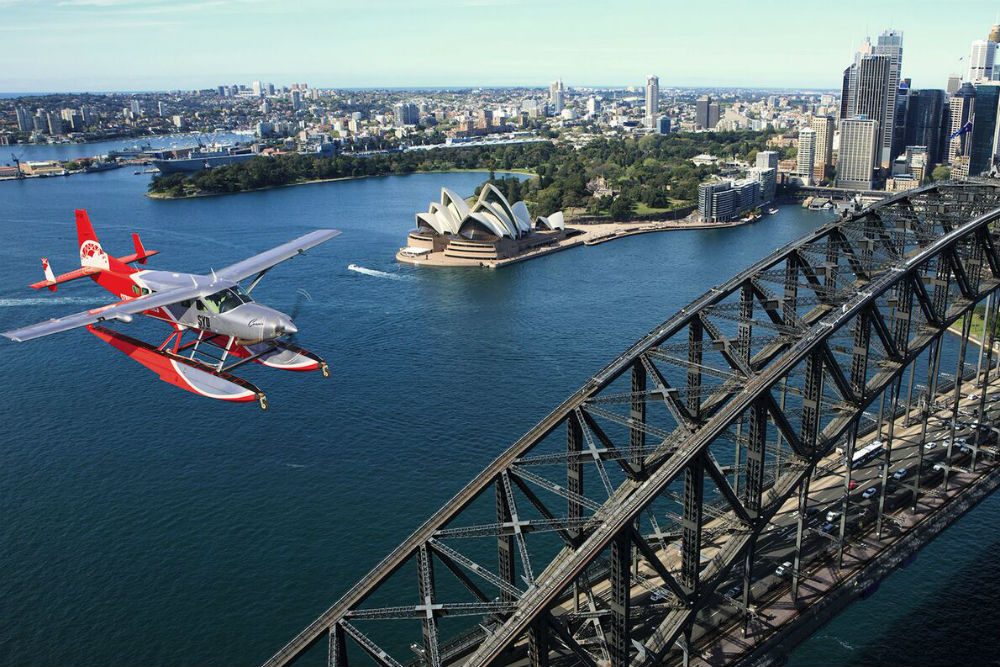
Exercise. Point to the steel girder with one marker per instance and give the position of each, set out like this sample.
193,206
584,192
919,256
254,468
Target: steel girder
860,299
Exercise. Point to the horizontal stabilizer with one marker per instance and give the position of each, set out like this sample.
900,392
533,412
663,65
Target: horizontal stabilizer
140,255
82,272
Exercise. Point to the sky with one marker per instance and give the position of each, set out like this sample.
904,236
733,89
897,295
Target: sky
105,45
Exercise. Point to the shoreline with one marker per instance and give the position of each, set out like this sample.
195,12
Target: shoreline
165,197
588,235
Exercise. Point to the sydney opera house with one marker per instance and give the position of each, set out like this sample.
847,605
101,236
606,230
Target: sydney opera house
454,233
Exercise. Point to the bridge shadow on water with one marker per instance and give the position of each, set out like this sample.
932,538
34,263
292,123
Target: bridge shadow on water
953,622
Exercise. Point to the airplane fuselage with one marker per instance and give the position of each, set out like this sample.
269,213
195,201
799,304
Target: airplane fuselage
224,309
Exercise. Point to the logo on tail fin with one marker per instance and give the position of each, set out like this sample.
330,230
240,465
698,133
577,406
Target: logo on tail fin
92,254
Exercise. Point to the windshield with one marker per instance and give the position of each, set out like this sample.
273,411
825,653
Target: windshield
227,299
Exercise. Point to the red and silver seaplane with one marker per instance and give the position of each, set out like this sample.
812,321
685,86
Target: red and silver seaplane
229,328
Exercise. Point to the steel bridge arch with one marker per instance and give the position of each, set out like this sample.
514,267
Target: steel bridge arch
892,277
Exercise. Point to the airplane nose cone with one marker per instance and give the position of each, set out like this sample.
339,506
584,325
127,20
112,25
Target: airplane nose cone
289,327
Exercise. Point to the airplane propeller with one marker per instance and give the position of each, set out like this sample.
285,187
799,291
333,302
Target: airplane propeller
301,297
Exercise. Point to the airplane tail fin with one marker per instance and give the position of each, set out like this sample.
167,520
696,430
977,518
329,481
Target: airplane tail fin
92,254
140,251
50,277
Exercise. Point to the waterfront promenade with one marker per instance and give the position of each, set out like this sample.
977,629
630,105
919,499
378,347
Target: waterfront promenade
577,235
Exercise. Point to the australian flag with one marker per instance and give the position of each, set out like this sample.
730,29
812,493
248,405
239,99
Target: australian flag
965,129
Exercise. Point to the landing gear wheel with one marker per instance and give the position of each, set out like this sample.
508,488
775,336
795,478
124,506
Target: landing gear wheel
262,400
325,370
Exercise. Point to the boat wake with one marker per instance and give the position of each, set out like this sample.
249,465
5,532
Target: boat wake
376,273
41,301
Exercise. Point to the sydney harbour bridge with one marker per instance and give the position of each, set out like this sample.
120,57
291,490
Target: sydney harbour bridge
730,481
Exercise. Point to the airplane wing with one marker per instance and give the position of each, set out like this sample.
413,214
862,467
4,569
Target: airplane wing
269,258
120,310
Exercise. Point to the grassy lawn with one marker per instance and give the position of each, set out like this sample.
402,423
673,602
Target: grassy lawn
642,209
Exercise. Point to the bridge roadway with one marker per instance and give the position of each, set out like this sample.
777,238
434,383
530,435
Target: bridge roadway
718,635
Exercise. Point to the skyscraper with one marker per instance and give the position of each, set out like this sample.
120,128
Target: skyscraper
960,106
954,83
701,111
845,91
870,94
858,153
556,93
823,126
981,60
984,128
806,156
713,114
924,112
652,99
890,44
256,88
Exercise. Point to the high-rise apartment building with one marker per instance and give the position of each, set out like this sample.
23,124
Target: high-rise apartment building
406,114
652,100
858,157
954,83
806,158
593,106
823,127
24,122
767,160
557,93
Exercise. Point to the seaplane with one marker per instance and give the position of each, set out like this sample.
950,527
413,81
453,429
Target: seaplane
216,326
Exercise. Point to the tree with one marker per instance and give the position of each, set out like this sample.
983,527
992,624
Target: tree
941,173
621,208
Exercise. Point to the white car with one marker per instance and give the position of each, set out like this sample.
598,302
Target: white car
900,474
869,492
832,516
783,569
929,446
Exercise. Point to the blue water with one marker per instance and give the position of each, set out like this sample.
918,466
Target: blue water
141,525
30,152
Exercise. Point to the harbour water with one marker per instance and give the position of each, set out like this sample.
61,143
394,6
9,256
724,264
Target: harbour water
140,525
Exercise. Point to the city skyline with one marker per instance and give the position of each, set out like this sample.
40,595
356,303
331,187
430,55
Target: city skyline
191,45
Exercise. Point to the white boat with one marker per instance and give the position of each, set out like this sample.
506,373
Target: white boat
772,211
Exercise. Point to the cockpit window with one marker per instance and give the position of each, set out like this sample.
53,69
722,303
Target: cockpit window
227,299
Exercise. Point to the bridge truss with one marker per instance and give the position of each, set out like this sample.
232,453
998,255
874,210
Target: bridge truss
597,537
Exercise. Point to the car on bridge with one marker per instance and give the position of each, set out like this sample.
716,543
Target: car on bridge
900,474
869,493
784,569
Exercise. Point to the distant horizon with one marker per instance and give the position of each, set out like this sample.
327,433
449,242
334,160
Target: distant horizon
610,87
143,45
